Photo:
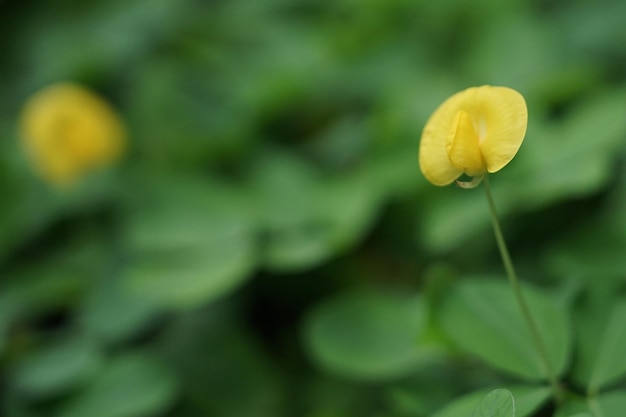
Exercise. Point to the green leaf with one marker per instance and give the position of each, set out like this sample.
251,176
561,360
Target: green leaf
367,335
133,385
527,401
547,161
583,414
482,317
223,368
114,313
286,192
611,404
51,283
58,367
595,248
8,306
598,338
193,242
116,18
442,228
610,362
196,278
498,403
572,407
306,220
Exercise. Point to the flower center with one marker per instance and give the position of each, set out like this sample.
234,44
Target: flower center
463,144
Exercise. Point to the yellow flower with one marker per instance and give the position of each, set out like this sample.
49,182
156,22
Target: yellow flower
476,131
68,131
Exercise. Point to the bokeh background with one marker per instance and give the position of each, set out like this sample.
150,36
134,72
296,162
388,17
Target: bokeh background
267,245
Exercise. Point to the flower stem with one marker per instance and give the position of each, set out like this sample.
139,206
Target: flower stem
517,290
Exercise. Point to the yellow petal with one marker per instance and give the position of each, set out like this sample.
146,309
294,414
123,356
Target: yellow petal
433,155
504,116
463,147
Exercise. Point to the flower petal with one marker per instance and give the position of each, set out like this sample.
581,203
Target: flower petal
462,146
433,155
505,120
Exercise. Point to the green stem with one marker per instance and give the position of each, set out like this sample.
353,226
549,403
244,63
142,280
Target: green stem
517,290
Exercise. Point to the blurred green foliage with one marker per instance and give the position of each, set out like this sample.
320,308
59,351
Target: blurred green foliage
268,247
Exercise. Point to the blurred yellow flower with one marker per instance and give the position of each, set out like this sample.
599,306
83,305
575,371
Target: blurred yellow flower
476,131
68,131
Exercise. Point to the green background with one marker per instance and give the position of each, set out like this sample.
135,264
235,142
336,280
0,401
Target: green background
268,246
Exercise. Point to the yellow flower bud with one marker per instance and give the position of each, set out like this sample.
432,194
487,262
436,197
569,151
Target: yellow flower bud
476,131
68,131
